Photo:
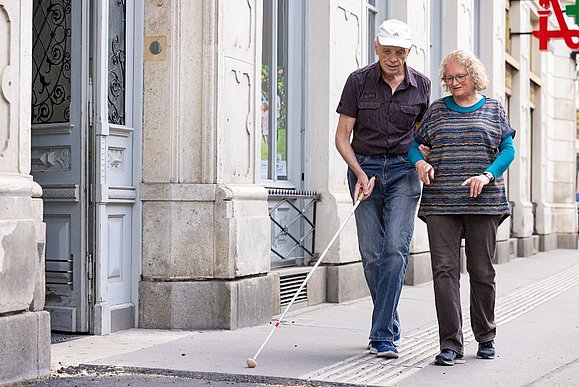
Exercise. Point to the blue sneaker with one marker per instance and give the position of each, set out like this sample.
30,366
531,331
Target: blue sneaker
486,350
448,357
384,349
397,341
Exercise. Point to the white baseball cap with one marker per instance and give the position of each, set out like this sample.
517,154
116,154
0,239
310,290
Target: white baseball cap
394,33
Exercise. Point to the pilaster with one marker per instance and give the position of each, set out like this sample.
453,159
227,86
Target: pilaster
554,147
25,327
205,216
338,27
492,47
519,184
417,15
492,55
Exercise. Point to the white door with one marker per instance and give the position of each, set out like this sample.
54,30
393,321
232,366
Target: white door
59,162
117,72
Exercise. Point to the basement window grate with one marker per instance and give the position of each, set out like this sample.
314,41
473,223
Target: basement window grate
293,226
289,285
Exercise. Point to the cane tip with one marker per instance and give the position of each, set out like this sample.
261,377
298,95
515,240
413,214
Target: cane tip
251,363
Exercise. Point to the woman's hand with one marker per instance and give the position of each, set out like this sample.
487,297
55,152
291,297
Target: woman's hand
476,184
425,171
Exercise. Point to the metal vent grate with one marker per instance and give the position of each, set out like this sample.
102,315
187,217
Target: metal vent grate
59,271
289,284
56,337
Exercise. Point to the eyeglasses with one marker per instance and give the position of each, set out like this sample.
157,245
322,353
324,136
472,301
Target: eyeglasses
460,78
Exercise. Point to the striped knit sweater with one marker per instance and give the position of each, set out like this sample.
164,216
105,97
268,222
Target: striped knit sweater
463,143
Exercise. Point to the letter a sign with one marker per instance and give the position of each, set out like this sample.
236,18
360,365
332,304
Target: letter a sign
544,34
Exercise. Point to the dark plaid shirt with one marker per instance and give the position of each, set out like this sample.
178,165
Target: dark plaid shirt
384,121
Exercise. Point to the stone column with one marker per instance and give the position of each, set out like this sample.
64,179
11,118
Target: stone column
25,328
556,213
519,171
492,46
206,226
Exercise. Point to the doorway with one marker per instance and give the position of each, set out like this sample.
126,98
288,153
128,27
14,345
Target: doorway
86,124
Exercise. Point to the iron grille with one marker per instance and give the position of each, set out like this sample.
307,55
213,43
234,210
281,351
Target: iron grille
51,61
293,226
288,286
117,61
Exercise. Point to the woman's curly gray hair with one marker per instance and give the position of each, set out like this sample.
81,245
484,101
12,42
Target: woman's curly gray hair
474,67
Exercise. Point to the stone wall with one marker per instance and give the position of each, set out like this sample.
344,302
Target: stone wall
25,339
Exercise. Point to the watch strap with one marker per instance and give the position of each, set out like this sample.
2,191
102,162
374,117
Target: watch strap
489,176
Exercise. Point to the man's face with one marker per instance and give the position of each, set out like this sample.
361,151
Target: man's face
392,58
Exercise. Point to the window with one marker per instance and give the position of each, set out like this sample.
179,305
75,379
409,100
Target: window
477,28
436,35
274,91
372,28
508,26
51,62
283,118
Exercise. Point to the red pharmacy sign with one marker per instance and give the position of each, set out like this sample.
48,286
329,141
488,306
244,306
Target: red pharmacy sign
571,36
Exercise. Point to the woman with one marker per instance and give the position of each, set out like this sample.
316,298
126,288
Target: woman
471,145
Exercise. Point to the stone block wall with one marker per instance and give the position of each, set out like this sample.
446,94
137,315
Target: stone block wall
25,338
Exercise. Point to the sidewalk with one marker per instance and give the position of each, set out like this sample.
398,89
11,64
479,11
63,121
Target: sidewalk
537,314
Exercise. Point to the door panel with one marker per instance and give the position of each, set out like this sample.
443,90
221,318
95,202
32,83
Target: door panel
115,179
119,261
59,156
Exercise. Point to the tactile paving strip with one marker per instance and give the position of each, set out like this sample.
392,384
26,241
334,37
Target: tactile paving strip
419,348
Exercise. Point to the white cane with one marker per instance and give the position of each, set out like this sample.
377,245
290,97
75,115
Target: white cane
251,362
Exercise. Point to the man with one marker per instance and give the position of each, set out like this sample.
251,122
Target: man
381,104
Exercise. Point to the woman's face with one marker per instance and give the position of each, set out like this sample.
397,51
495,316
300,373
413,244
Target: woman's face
458,80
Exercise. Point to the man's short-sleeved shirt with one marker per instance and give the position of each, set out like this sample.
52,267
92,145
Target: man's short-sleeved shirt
384,121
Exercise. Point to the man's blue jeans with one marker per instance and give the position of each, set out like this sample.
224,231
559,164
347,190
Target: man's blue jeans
385,223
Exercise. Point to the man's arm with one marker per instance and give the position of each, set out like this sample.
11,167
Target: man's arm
343,133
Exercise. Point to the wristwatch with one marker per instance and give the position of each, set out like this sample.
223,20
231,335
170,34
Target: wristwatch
489,176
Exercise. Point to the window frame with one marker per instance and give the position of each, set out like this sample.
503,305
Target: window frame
292,49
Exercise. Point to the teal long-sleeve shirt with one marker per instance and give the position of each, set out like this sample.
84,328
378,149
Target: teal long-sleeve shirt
497,167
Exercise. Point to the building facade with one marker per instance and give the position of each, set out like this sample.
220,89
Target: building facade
149,180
